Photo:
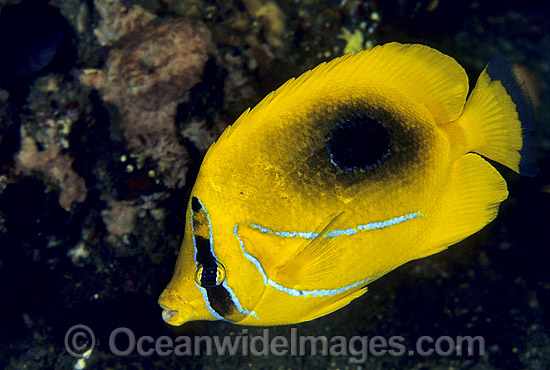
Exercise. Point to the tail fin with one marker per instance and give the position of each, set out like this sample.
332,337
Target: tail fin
498,119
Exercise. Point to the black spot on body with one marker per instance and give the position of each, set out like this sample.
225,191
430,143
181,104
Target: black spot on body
358,141
401,143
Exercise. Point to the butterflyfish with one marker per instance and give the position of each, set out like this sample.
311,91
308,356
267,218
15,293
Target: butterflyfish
341,175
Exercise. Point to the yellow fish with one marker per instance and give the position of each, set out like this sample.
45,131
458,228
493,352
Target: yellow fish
340,176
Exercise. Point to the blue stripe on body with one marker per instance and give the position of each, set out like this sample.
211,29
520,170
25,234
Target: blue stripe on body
250,257
335,233
285,233
236,301
290,291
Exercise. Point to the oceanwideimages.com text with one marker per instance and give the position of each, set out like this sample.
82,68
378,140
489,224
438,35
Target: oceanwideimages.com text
80,341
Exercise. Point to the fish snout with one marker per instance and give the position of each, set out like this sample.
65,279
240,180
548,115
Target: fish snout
176,311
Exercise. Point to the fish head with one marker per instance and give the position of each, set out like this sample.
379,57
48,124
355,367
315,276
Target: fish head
242,273
213,279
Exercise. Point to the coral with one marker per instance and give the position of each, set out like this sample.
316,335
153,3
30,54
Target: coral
201,135
273,21
78,253
55,165
120,217
239,92
54,105
117,20
354,41
146,80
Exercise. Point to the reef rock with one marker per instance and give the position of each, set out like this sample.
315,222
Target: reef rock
56,166
117,20
146,79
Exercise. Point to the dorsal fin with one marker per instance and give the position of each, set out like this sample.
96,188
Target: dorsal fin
432,78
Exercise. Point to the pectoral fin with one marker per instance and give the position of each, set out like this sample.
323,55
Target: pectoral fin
316,258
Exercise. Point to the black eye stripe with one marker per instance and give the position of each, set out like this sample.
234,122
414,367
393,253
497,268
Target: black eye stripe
204,255
220,301
195,204
218,296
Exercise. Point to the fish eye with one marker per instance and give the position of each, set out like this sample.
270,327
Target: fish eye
210,274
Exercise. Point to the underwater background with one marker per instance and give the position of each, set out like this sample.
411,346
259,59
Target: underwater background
106,110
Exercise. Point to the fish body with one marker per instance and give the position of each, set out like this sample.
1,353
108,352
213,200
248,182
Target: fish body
340,176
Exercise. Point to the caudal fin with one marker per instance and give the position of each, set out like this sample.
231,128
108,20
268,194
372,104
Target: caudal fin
498,119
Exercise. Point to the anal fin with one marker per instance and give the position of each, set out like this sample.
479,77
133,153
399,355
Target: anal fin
335,305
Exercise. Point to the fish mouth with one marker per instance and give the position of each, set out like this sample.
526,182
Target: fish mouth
176,311
169,315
